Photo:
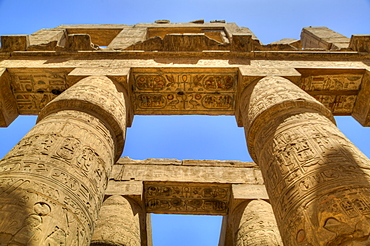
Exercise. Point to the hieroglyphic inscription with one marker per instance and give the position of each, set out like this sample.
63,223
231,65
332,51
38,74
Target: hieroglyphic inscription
191,92
96,95
338,92
65,161
258,226
338,104
118,224
314,175
37,213
316,167
34,88
186,198
340,82
64,168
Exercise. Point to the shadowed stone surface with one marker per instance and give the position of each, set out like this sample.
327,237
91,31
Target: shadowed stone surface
53,180
258,226
118,224
86,82
316,178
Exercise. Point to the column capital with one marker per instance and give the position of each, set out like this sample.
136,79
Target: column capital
272,98
98,96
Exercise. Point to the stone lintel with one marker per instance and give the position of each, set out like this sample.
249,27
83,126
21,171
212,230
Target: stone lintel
187,187
187,198
361,110
249,192
360,43
106,71
124,188
323,37
184,90
232,172
11,43
8,105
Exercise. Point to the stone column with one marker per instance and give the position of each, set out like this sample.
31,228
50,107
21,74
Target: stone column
257,225
118,224
52,182
317,180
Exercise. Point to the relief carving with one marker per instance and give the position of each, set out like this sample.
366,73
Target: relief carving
118,224
33,89
59,172
314,176
257,226
192,92
332,82
152,83
185,198
150,101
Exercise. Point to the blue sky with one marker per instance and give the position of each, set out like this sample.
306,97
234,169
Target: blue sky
188,137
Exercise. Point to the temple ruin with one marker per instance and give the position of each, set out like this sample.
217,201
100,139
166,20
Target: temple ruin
65,182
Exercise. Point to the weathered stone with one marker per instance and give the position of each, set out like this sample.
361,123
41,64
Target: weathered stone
53,180
47,39
56,178
291,42
257,226
316,179
118,224
187,171
323,37
8,106
14,43
360,43
77,42
361,109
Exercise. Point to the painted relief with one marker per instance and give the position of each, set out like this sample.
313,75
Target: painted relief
155,83
190,93
150,101
218,82
186,198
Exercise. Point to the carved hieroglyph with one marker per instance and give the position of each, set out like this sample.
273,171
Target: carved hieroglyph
34,88
118,223
187,198
52,182
187,92
258,226
317,180
337,89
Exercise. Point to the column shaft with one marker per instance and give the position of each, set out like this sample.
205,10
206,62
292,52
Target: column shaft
317,180
258,226
52,182
118,224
